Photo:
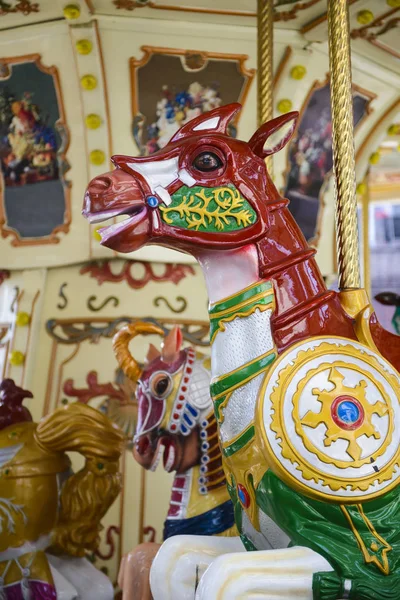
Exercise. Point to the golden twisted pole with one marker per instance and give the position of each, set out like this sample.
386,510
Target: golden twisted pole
343,145
365,231
265,70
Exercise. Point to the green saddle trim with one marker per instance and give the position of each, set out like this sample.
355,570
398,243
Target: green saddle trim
258,295
240,442
234,379
242,296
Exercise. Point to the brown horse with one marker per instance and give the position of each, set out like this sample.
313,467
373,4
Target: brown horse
305,380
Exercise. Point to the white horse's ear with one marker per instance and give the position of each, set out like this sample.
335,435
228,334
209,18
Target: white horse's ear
214,121
273,135
172,345
207,124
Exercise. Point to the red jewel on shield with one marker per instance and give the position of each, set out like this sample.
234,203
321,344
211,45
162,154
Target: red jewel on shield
243,495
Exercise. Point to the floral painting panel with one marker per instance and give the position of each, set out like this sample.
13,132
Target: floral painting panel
172,90
31,140
310,157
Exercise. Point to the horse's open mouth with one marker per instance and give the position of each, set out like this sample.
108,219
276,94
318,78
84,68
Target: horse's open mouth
111,231
133,215
166,449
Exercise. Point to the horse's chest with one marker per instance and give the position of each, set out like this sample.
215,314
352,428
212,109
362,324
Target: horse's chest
237,359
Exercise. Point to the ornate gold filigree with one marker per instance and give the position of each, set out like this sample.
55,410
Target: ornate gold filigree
333,431
210,209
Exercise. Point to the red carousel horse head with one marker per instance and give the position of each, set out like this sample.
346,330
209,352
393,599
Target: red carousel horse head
203,190
173,399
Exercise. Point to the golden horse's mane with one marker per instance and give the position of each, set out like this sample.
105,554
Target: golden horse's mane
85,496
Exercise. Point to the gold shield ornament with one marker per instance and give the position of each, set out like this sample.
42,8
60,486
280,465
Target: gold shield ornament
329,420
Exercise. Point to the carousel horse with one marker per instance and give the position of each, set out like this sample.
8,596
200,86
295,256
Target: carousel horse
49,516
304,380
176,425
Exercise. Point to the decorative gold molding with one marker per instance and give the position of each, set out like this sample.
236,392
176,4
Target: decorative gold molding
131,5
386,22
90,6
11,344
106,99
64,227
28,339
282,64
392,108
287,15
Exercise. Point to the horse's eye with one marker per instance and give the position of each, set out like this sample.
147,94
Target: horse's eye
161,385
207,161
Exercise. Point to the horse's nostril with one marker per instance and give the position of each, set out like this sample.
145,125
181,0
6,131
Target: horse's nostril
100,184
142,444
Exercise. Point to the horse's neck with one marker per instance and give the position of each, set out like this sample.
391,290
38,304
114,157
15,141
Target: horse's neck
187,501
180,495
201,488
304,306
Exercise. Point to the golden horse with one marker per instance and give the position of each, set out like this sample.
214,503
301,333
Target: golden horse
49,516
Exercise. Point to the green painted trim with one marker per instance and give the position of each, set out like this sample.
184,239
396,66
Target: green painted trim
247,543
240,297
240,442
239,377
215,322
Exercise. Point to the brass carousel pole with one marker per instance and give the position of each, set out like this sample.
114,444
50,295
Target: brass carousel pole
343,146
365,230
265,69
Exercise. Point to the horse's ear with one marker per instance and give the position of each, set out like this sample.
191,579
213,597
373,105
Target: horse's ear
214,121
172,345
273,135
152,353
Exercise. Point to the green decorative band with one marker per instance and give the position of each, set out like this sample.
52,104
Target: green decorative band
243,296
237,378
262,301
240,442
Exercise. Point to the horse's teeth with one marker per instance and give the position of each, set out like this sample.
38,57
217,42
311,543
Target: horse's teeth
157,459
171,459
